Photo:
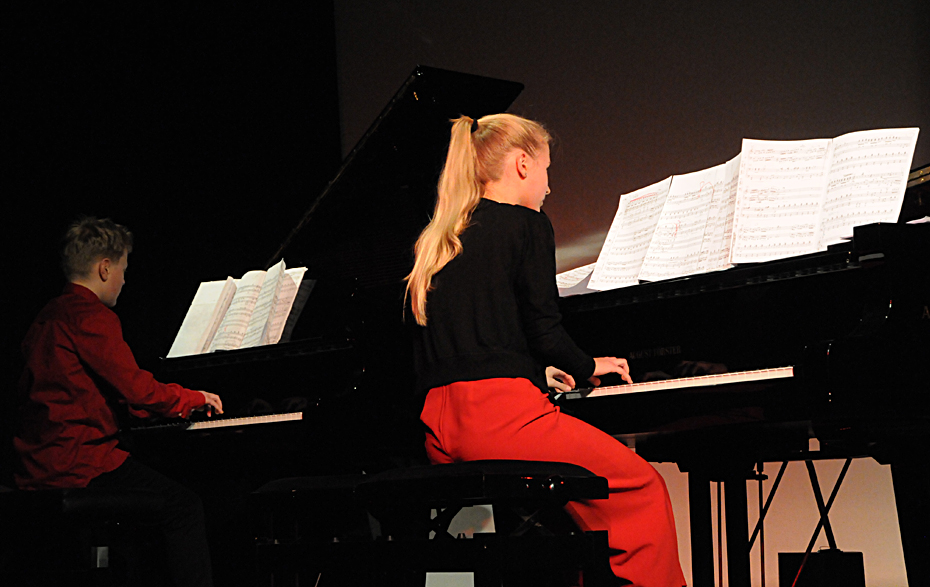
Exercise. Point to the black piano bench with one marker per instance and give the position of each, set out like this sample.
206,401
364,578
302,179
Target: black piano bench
534,543
72,537
296,518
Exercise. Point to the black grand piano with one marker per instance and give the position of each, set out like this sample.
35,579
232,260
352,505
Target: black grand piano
346,367
821,356
337,397
851,323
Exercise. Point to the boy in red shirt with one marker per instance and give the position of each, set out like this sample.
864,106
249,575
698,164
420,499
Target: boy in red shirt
78,369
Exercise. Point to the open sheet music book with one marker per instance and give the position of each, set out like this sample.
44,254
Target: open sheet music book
776,199
241,313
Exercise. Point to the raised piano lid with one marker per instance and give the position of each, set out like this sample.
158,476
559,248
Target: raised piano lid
362,227
356,238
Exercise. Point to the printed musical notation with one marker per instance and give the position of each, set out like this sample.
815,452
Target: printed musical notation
682,243
235,323
775,199
867,180
838,183
629,237
776,196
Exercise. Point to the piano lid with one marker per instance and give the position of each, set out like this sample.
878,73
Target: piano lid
356,238
363,226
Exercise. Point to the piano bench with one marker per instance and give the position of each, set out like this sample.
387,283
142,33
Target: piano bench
71,536
518,491
534,542
317,509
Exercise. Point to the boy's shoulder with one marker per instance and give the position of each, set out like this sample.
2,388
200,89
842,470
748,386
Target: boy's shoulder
74,306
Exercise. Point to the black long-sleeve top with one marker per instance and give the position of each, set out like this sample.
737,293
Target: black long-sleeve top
493,309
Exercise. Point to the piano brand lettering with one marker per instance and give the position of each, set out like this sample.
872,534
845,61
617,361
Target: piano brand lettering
665,351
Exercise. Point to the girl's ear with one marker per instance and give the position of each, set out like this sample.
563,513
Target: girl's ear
521,161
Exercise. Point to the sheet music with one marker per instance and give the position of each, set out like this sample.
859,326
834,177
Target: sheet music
573,277
628,238
264,307
715,250
776,199
575,282
675,249
203,317
779,199
867,180
233,328
290,281
222,306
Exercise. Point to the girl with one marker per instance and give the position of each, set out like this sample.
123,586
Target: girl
483,294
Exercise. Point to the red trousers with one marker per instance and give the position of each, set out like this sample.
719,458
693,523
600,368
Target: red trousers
512,419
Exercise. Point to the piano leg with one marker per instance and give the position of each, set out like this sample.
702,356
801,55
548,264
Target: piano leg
737,522
737,528
911,480
702,539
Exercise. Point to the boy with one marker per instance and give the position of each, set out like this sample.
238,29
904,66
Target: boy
78,368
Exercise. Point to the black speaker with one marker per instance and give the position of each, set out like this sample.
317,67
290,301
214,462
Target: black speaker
824,568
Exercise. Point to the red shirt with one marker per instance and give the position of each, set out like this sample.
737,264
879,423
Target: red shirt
78,367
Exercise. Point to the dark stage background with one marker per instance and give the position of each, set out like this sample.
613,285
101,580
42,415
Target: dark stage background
205,132
640,90
209,130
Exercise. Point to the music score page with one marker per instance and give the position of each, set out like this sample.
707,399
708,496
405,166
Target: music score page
629,236
774,200
798,197
241,313
264,307
779,198
283,304
691,234
203,317
570,279
236,321
867,180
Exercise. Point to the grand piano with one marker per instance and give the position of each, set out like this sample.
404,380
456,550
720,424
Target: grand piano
346,370
821,356
347,365
851,323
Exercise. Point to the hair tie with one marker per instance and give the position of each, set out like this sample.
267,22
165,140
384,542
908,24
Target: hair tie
474,125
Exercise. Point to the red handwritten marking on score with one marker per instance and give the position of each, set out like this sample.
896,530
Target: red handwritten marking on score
704,187
645,196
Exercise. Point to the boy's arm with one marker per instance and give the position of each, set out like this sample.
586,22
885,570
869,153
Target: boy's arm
100,345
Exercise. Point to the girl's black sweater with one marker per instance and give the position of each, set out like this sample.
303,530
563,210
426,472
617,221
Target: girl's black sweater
493,309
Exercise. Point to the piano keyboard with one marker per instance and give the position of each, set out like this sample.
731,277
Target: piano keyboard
699,381
247,421
224,422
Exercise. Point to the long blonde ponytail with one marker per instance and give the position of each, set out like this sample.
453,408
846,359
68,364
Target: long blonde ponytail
476,153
